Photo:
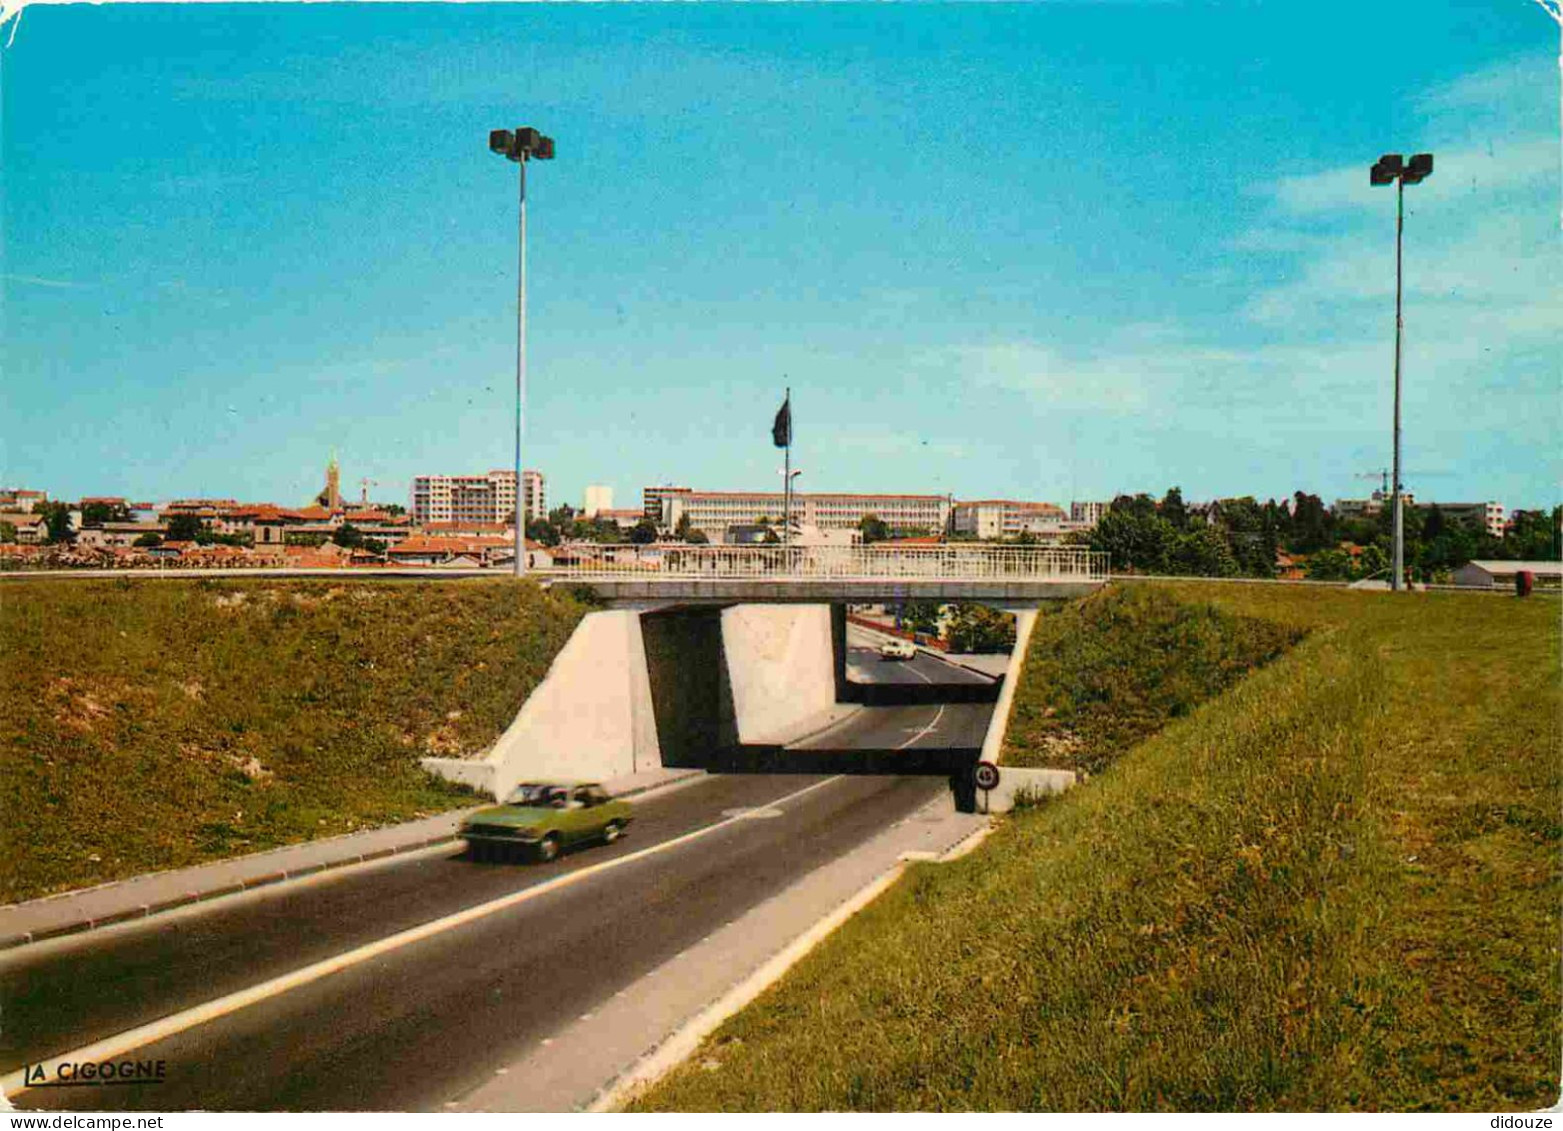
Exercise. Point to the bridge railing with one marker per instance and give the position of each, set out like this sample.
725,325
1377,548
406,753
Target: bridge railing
956,562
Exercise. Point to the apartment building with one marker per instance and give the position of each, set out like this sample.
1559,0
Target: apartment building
1368,508
19,500
598,499
714,511
1489,515
1006,518
490,497
1087,513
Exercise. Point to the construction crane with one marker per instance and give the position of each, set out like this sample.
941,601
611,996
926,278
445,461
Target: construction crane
1382,472
364,485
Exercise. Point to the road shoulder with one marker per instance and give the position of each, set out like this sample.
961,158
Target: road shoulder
648,1026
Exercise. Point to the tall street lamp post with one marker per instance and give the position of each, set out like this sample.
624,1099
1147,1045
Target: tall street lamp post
521,146
1393,168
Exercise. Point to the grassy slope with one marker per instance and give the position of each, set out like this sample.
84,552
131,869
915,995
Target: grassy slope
1336,886
1105,673
150,725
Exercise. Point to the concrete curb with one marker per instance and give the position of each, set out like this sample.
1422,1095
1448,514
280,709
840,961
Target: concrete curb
927,651
134,907
144,910
678,1047
968,667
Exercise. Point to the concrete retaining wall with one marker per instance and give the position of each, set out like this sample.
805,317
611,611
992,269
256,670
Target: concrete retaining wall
631,692
591,718
781,664
1014,779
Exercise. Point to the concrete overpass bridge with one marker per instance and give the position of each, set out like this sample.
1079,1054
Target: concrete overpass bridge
1009,577
725,657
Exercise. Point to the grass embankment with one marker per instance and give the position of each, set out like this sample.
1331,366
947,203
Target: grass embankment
154,724
1335,886
1105,673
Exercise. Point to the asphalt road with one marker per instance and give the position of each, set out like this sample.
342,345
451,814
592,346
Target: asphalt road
864,665
932,725
420,1026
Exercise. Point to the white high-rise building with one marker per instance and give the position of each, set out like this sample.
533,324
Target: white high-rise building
489,498
598,499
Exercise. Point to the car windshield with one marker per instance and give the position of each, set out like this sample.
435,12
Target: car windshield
538,795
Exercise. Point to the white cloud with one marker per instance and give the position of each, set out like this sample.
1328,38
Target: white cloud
38,281
1501,96
1118,383
1489,167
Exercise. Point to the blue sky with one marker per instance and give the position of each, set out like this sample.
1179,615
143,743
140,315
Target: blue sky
1051,251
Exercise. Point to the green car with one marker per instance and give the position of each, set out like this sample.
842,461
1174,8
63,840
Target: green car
543,818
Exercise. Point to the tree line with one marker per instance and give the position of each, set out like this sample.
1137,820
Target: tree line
1241,537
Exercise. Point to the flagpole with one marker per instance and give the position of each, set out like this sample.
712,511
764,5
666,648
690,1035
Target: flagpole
787,483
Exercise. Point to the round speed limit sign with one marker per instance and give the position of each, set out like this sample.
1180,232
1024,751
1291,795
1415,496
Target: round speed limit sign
987,775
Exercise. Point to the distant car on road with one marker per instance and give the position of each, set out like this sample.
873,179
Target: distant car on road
897,650
544,818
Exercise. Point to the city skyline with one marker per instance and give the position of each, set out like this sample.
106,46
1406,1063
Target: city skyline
1038,253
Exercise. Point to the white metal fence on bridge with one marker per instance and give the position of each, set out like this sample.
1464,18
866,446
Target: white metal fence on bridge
784,563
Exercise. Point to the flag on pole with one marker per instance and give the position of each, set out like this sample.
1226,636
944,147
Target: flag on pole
781,430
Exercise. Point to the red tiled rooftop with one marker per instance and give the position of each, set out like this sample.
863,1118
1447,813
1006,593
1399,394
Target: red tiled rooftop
447,544
462,527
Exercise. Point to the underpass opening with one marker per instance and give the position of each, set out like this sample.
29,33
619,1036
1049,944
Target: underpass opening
815,690
921,652
691,689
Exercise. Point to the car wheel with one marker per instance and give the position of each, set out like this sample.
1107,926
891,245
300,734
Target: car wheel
548,848
612,832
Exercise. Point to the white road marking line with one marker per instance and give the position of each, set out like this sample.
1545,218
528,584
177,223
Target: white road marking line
15,1083
925,729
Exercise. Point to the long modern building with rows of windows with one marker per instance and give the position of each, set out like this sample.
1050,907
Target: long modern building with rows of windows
714,511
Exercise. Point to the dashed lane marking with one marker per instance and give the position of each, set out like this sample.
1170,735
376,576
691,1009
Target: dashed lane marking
14,1083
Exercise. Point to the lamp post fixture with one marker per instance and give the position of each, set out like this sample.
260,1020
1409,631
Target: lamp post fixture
521,146
789,478
1393,167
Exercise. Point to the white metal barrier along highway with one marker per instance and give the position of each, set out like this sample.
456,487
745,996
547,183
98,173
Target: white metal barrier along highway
928,563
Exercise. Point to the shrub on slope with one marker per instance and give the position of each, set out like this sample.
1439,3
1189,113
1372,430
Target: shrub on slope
1109,671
